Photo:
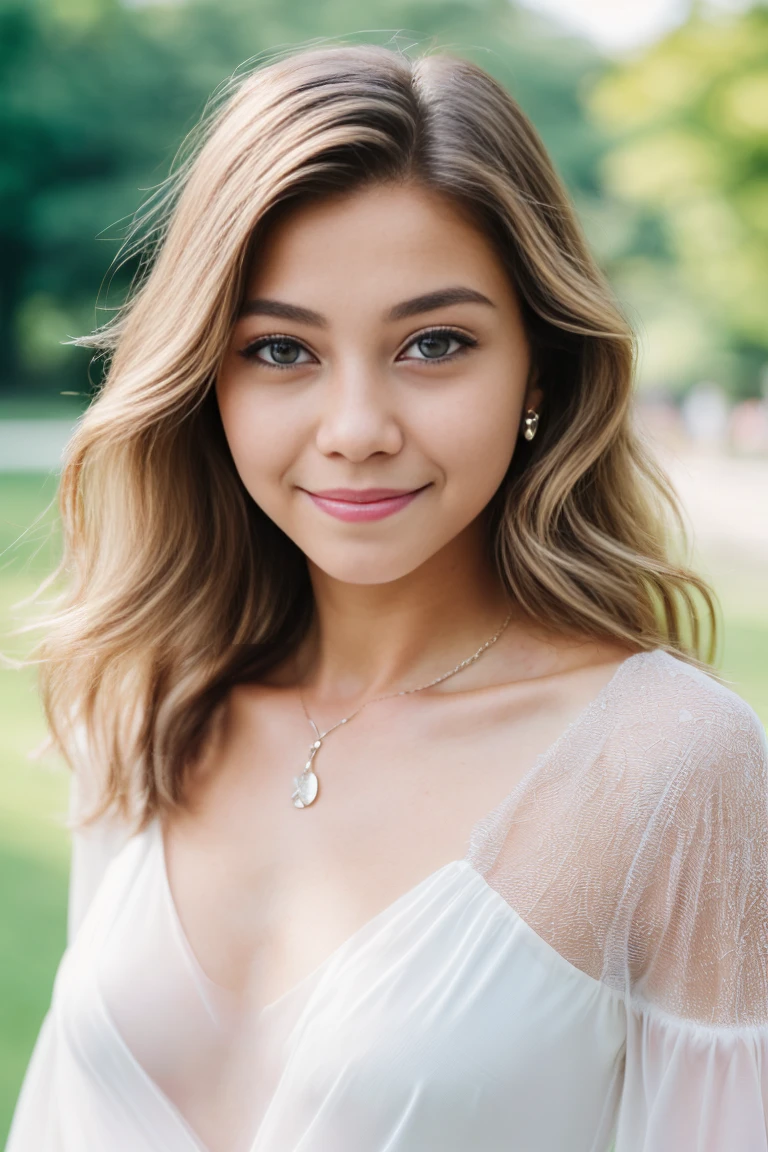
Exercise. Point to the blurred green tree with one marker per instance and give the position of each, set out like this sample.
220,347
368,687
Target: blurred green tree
91,105
689,119
97,94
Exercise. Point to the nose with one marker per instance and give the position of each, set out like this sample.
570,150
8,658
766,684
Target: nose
358,417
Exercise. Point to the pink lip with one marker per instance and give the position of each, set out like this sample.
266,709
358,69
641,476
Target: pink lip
358,505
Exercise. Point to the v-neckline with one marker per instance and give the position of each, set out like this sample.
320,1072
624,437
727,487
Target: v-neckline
477,835
478,831
214,990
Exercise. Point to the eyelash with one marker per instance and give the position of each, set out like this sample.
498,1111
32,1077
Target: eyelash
466,342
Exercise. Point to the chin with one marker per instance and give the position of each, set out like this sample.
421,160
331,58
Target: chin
368,566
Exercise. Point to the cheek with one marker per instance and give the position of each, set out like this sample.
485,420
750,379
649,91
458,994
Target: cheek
473,443
263,442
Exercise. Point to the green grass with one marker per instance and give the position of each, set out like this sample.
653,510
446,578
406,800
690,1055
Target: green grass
34,846
740,581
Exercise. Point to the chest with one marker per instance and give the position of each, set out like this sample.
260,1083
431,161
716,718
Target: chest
265,891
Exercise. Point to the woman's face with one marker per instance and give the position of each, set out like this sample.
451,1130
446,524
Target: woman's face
374,385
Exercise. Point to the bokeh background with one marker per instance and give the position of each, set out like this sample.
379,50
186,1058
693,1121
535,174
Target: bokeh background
656,115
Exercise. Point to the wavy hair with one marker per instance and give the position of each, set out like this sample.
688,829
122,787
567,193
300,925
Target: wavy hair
177,584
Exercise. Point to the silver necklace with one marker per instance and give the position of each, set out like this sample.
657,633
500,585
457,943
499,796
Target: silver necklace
305,785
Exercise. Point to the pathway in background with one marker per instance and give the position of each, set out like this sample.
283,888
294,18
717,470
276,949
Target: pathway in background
33,445
725,497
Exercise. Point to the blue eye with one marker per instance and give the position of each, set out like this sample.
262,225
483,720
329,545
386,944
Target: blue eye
282,352
436,344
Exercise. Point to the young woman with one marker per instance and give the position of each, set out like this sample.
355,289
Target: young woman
407,816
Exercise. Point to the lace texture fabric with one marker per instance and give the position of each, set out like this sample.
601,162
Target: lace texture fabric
638,845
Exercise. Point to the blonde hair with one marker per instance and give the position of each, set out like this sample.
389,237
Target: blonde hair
178,584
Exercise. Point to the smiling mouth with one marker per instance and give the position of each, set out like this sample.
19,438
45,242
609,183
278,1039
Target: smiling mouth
363,504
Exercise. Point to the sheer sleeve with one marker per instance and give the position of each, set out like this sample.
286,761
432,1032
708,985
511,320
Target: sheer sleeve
37,1115
696,1070
93,847
638,848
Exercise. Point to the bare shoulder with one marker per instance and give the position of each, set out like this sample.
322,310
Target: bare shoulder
568,668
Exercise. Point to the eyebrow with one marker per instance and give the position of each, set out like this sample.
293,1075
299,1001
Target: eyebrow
441,298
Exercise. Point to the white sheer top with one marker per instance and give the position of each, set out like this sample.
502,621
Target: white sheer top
593,970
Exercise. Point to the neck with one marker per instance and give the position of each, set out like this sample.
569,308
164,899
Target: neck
370,640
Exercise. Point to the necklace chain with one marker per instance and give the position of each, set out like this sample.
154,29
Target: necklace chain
305,785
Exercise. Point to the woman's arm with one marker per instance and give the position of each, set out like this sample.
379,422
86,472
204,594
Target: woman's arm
696,1072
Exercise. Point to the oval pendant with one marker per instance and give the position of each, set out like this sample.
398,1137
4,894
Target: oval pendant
304,789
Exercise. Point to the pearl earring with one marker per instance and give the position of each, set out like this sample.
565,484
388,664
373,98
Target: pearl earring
531,422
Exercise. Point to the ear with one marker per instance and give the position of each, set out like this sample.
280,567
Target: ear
534,395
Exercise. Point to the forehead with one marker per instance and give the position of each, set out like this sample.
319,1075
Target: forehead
375,241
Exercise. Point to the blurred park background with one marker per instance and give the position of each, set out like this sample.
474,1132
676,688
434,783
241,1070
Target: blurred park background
656,115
